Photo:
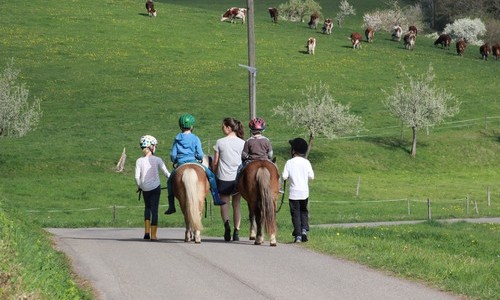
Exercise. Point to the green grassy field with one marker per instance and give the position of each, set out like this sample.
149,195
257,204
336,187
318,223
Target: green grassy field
108,74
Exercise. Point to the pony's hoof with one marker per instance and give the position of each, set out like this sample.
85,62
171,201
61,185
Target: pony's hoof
273,244
257,243
252,238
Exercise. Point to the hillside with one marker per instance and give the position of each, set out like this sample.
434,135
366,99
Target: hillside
108,74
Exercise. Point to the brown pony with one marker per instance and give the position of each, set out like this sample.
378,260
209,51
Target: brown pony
190,187
259,185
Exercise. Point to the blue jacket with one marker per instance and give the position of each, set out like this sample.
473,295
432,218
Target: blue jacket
186,148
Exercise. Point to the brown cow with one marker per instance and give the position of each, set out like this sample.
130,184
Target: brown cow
413,28
370,34
234,13
313,23
409,40
485,51
461,45
445,41
150,7
397,31
495,50
273,12
356,40
311,45
328,26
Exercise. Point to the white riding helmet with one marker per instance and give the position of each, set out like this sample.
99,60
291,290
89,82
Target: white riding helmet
147,141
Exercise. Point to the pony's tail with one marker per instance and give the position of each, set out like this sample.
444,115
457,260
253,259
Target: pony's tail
190,180
263,177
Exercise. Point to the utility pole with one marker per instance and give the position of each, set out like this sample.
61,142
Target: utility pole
251,60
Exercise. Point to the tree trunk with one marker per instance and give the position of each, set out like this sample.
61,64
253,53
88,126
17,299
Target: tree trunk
311,139
414,143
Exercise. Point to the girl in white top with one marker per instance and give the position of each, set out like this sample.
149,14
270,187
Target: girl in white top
147,178
299,171
227,158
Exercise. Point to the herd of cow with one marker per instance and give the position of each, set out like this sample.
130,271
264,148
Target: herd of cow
234,13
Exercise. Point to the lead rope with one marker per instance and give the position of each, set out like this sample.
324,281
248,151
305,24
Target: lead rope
282,196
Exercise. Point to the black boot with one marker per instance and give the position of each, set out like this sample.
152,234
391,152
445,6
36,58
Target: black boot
171,206
236,235
227,231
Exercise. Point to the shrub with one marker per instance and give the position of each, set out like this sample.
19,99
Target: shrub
468,29
386,19
297,10
18,115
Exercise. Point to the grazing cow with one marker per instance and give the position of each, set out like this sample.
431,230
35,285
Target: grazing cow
409,40
311,45
313,23
485,51
234,13
356,40
397,31
413,28
369,33
328,26
150,6
445,41
496,51
461,45
273,12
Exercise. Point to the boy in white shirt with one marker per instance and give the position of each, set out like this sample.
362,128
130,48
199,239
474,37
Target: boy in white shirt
299,171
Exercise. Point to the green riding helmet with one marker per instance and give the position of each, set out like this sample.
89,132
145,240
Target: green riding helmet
186,121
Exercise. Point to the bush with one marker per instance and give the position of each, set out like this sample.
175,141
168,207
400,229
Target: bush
386,19
18,115
297,10
466,28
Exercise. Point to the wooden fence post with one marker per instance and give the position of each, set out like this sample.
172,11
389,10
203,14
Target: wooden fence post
488,196
358,186
467,205
428,210
475,206
408,200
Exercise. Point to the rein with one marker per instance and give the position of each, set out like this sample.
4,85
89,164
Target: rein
282,196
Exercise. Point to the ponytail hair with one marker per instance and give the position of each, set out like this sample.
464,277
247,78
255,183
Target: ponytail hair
236,126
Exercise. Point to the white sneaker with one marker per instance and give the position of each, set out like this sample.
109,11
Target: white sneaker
298,239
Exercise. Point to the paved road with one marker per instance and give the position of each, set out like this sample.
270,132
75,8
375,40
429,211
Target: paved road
120,265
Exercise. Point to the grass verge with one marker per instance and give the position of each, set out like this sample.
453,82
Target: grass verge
29,266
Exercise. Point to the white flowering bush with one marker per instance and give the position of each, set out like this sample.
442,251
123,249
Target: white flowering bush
470,29
18,114
297,10
386,19
346,9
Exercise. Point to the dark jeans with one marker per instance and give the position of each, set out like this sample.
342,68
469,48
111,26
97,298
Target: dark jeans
300,216
151,202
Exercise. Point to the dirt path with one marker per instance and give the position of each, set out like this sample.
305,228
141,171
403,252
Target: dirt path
120,265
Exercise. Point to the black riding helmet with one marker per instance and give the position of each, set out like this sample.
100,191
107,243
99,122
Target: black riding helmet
299,145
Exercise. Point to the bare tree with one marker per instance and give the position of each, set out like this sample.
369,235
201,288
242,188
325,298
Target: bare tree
18,115
345,10
319,113
418,103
